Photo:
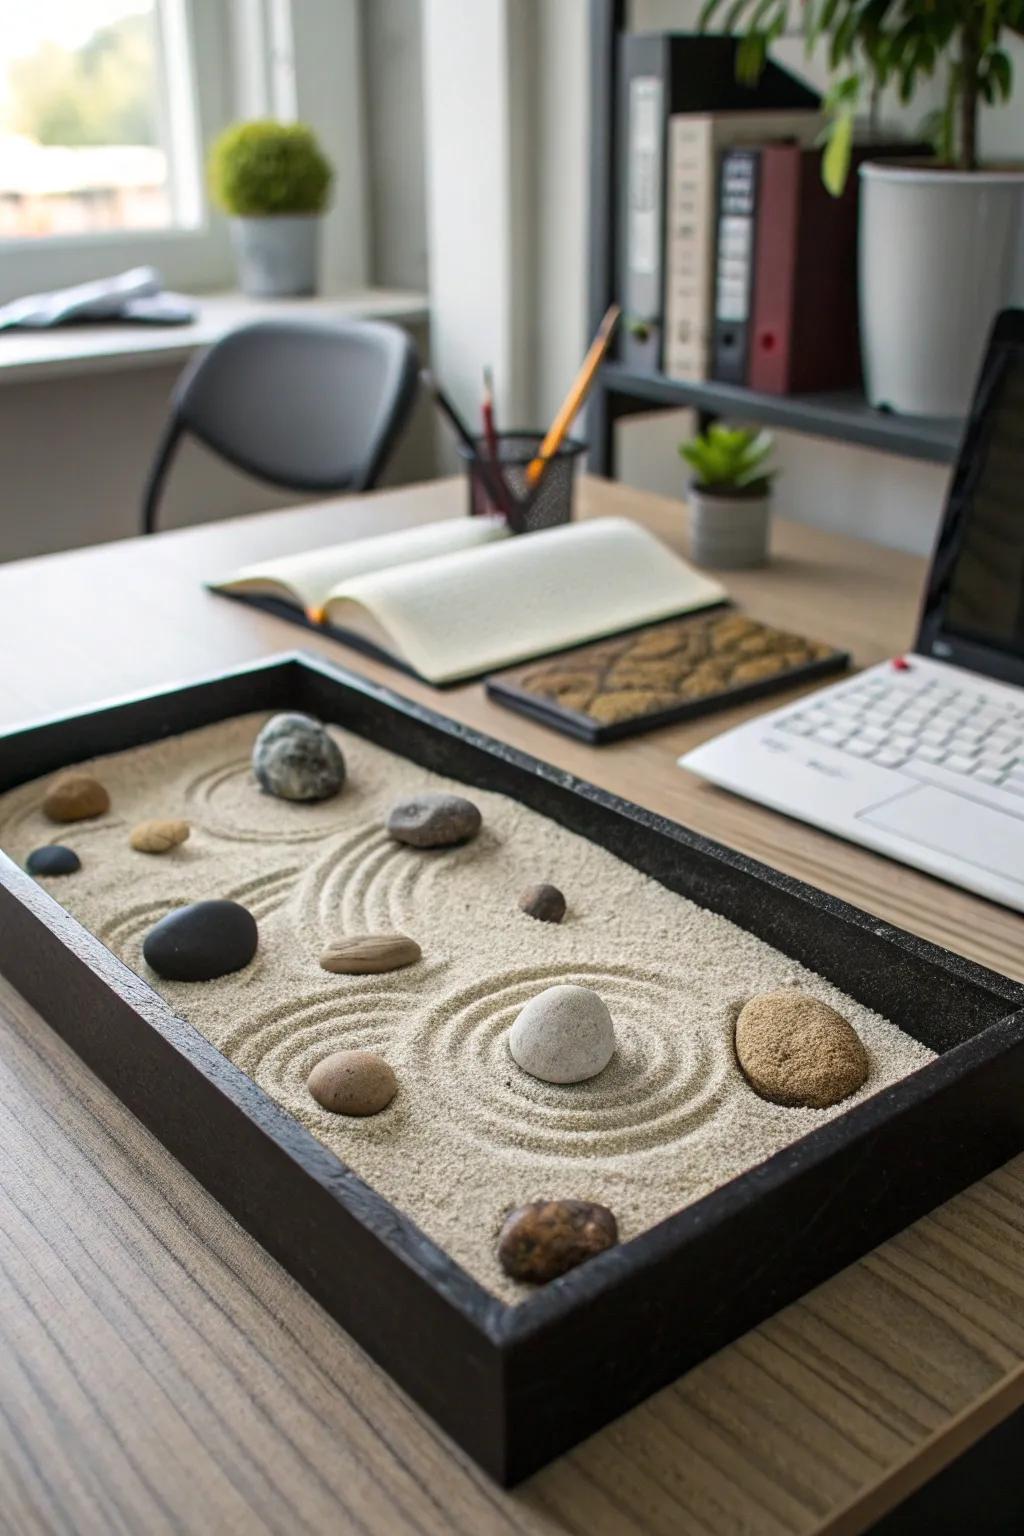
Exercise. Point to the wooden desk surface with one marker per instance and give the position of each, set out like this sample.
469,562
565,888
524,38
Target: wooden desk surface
160,1373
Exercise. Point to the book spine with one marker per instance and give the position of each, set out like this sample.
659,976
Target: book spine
734,267
775,258
689,247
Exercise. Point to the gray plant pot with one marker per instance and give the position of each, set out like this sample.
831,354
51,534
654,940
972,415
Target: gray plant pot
730,532
278,255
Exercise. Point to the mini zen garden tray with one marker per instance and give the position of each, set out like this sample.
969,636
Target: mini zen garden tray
515,1385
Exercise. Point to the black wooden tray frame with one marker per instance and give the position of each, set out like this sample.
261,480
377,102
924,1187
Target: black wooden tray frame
514,1386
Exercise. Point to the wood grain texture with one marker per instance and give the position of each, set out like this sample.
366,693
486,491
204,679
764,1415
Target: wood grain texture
160,1373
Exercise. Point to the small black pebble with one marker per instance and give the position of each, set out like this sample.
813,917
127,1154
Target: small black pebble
202,941
53,860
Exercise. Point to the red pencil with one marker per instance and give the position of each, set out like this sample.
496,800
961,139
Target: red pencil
490,433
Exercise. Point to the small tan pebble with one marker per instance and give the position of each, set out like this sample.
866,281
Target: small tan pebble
158,836
544,902
75,797
547,1238
797,1051
353,1083
366,953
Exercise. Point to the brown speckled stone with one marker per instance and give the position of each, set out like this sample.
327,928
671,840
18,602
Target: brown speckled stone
75,797
547,1238
797,1051
158,836
353,1083
544,902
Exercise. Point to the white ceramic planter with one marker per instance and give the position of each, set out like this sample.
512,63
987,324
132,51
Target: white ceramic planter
730,532
941,252
278,255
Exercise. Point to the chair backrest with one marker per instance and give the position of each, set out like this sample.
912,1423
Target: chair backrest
312,405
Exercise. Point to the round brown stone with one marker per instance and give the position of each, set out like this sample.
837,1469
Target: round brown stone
370,954
158,836
797,1051
547,1238
353,1083
544,902
75,797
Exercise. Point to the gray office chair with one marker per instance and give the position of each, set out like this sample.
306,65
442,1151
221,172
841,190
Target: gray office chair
311,405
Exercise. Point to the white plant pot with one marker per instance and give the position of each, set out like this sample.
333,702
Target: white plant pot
941,252
277,256
729,532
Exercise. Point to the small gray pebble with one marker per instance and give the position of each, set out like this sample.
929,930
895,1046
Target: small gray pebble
434,820
544,902
563,1035
295,759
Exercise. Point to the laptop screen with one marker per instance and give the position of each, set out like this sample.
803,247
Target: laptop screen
974,607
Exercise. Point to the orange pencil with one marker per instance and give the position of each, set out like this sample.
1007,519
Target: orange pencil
578,392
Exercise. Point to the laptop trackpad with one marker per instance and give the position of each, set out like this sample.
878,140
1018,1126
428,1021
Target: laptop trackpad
954,825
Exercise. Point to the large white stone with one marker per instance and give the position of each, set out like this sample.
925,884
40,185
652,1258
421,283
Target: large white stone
564,1035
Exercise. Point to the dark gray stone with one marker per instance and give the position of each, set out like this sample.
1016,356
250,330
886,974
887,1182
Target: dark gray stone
434,820
295,759
202,941
53,859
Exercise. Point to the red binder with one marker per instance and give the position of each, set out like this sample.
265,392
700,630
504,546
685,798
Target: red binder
803,334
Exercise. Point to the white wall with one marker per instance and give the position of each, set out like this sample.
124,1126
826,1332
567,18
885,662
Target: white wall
393,98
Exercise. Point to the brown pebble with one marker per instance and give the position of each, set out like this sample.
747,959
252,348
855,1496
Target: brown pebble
366,953
544,902
353,1083
547,1238
158,836
797,1051
75,797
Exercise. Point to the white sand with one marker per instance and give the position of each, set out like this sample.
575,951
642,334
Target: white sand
469,1134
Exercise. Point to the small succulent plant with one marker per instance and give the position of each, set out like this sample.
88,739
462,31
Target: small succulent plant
730,459
264,167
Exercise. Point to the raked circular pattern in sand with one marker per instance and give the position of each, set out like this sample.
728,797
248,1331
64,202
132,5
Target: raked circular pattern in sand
469,1134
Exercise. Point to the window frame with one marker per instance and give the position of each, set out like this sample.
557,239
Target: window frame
190,256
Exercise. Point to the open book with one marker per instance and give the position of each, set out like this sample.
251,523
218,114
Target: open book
458,599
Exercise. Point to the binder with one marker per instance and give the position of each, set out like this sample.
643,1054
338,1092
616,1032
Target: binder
734,263
661,74
695,143
803,330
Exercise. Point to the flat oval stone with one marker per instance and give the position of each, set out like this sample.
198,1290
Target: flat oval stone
544,902
434,820
75,797
564,1035
158,836
294,758
797,1051
370,953
53,859
202,941
547,1238
353,1083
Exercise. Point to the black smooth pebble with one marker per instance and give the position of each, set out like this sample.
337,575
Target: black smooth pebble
202,941
54,859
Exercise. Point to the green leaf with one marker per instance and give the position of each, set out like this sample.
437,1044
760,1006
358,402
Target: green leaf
835,163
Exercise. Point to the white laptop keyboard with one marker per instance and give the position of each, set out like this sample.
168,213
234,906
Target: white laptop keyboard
919,724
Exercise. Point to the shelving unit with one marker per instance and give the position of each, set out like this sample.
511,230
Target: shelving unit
619,391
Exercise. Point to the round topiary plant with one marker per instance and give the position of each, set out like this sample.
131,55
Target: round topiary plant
265,167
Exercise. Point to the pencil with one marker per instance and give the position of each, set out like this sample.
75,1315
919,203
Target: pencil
578,391
496,488
490,431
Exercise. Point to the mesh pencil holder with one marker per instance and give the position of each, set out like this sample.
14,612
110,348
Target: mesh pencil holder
546,506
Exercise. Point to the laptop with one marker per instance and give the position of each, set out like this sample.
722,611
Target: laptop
922,757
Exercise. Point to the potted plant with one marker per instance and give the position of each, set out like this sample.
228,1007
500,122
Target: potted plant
939,240
273,182
730,495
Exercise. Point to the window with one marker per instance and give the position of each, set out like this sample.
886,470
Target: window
97,121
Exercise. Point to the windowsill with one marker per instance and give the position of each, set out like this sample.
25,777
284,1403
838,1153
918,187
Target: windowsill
69,349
